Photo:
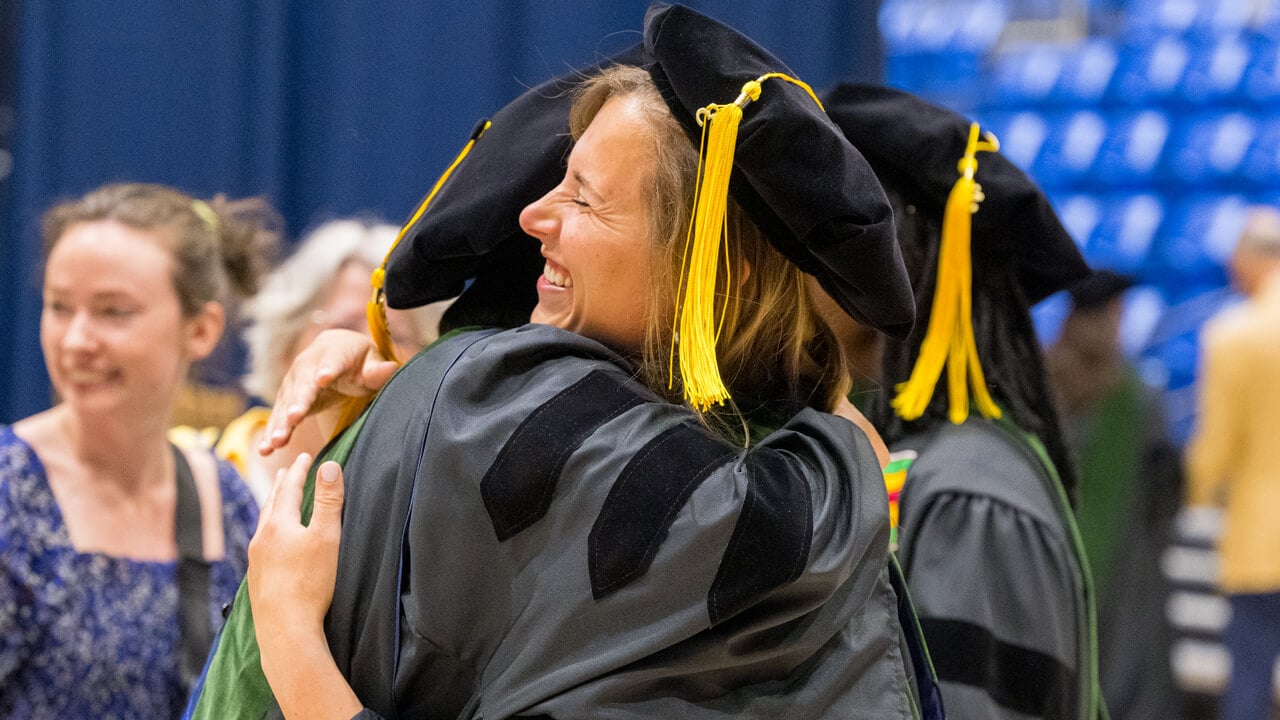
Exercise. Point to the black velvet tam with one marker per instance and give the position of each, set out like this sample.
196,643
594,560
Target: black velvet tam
810,191
915,146
1099,288
471,229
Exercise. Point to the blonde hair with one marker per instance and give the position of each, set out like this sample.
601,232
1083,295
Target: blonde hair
774,345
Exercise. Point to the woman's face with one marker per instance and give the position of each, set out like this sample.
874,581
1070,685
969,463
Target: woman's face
594,230
344,306
112,330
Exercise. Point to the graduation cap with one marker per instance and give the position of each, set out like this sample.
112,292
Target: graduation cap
940,162
464,238
1098,288
767,142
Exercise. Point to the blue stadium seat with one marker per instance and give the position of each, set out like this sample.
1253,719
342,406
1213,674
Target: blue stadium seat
1048,74
1194,243
1207,151
1188,16
1261,164
1144,308
1216,70
1174,348
1131,152
1025,76
1127,227
1080,213
1150,73
936,48
1271,197
1069,152
1087,73
931,25
1261,83
1048,315
1022,135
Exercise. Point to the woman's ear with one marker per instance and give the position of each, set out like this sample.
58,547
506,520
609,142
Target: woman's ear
204,330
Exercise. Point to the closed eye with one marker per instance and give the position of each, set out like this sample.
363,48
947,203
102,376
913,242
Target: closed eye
117,313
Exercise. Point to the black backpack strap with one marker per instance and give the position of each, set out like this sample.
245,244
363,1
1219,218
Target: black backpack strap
195,632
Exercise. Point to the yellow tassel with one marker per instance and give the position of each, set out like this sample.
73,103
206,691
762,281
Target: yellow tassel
949,339
696,323
376,309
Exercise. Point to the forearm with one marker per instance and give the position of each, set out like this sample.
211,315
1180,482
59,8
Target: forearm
303,676
292,571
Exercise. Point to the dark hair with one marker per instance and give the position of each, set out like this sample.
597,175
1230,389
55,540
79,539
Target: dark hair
1003,331
220,247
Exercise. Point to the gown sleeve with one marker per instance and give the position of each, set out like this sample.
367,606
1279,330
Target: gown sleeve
554,541
995,583
528,532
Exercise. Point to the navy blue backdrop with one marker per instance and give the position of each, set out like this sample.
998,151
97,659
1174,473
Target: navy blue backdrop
327,107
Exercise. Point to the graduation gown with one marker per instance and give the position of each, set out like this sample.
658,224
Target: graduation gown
996,571
529,532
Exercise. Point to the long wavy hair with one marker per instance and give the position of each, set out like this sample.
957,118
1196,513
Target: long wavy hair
775,352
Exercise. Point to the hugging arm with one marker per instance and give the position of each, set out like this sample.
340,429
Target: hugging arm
292,571
339,365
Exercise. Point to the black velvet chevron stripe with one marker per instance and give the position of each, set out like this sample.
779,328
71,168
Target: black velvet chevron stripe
517,488
643,502
770,543
1018,678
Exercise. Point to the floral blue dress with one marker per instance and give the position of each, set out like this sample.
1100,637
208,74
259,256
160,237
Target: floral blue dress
86,635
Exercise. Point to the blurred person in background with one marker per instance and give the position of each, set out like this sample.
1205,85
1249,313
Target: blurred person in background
1130,476
323,285
117,549
1233,461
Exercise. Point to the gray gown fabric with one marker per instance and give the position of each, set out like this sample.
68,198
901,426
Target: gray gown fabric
528,532
985,540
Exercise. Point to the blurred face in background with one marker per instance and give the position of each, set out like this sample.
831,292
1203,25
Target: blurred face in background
344,306
111,328
1257,253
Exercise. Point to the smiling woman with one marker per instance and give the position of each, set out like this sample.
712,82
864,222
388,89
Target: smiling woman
595,233
556,520
116,549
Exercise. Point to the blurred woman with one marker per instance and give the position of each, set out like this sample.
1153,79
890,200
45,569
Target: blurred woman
323,285
117,550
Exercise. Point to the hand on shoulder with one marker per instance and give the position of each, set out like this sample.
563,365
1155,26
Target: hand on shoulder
338,365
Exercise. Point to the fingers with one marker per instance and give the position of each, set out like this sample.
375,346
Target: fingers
326,514
378,373
289,494
360,371
336,365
